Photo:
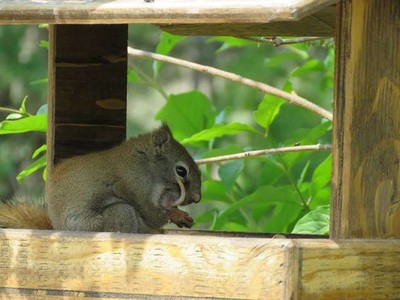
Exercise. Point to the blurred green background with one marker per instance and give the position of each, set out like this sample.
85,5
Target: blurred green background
308,68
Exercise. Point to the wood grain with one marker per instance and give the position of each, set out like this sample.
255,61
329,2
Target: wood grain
320,23
60,265
366,141
348,269
88,77
115,265
312,17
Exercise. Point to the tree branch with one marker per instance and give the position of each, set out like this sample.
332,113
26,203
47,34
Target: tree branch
318,147
292,98
276,41
10,110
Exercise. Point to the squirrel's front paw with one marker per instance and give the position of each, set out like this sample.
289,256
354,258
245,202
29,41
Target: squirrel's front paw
180,218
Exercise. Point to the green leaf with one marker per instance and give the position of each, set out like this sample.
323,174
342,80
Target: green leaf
229,172
281,217
305,137
315,222
42,110
43,81
311,66
14,116
230,149
44,44
303,174
133,77
219,130
230,42
214,191
167,42
267,111
234,226
322,197
264,194
39,150
187,114
32,168
269,108
322,175
31,123
281,58
22,109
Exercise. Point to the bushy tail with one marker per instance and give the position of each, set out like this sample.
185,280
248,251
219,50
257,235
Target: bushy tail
24,213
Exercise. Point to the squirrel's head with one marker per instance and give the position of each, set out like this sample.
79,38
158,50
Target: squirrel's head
176,177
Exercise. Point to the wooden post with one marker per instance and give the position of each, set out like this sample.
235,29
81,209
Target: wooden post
366,173
87,89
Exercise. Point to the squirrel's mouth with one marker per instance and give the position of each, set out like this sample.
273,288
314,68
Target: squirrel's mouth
182,196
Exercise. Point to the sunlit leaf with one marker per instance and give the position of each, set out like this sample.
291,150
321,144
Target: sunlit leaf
229,42
311,66
187,114
167,42
219,130
22,109
39,150
215,191
42,110
322,175
230,171
315,222
31,123
269,108
35,166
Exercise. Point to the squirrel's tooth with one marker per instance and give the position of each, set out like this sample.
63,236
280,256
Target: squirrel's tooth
183,192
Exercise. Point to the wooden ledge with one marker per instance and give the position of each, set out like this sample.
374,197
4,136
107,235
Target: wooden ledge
110,265
247,16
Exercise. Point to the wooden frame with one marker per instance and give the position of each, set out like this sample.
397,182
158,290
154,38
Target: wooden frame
234,17
51,264
48,264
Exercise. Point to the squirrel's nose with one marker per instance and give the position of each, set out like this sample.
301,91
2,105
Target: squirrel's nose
196,198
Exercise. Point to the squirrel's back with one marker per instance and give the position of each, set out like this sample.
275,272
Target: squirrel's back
23,213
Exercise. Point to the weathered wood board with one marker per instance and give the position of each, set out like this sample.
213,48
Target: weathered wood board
87,89
366,135
241,17
55,265
121,265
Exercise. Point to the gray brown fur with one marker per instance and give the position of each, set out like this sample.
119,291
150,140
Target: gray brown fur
128,188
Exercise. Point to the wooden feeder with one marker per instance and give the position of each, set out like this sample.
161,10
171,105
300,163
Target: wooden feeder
87,67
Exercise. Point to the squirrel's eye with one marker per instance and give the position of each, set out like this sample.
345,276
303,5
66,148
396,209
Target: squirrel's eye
181,171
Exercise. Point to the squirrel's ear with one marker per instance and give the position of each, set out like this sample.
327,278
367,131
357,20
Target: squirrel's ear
161,136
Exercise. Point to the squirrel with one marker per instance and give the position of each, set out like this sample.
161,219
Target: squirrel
135,187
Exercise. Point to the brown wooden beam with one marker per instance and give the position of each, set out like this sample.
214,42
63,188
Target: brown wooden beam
366,138
216,17
87,89
60,265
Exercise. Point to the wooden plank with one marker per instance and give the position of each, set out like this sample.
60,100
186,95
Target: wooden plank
55,265
245,16
158,11
87,89
366,148
112,265
320,23
348,269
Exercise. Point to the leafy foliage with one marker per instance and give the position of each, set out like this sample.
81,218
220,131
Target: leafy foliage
282,193
22,121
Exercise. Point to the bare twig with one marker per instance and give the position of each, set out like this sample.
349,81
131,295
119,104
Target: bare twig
276,41
292,98
318,147
10,110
